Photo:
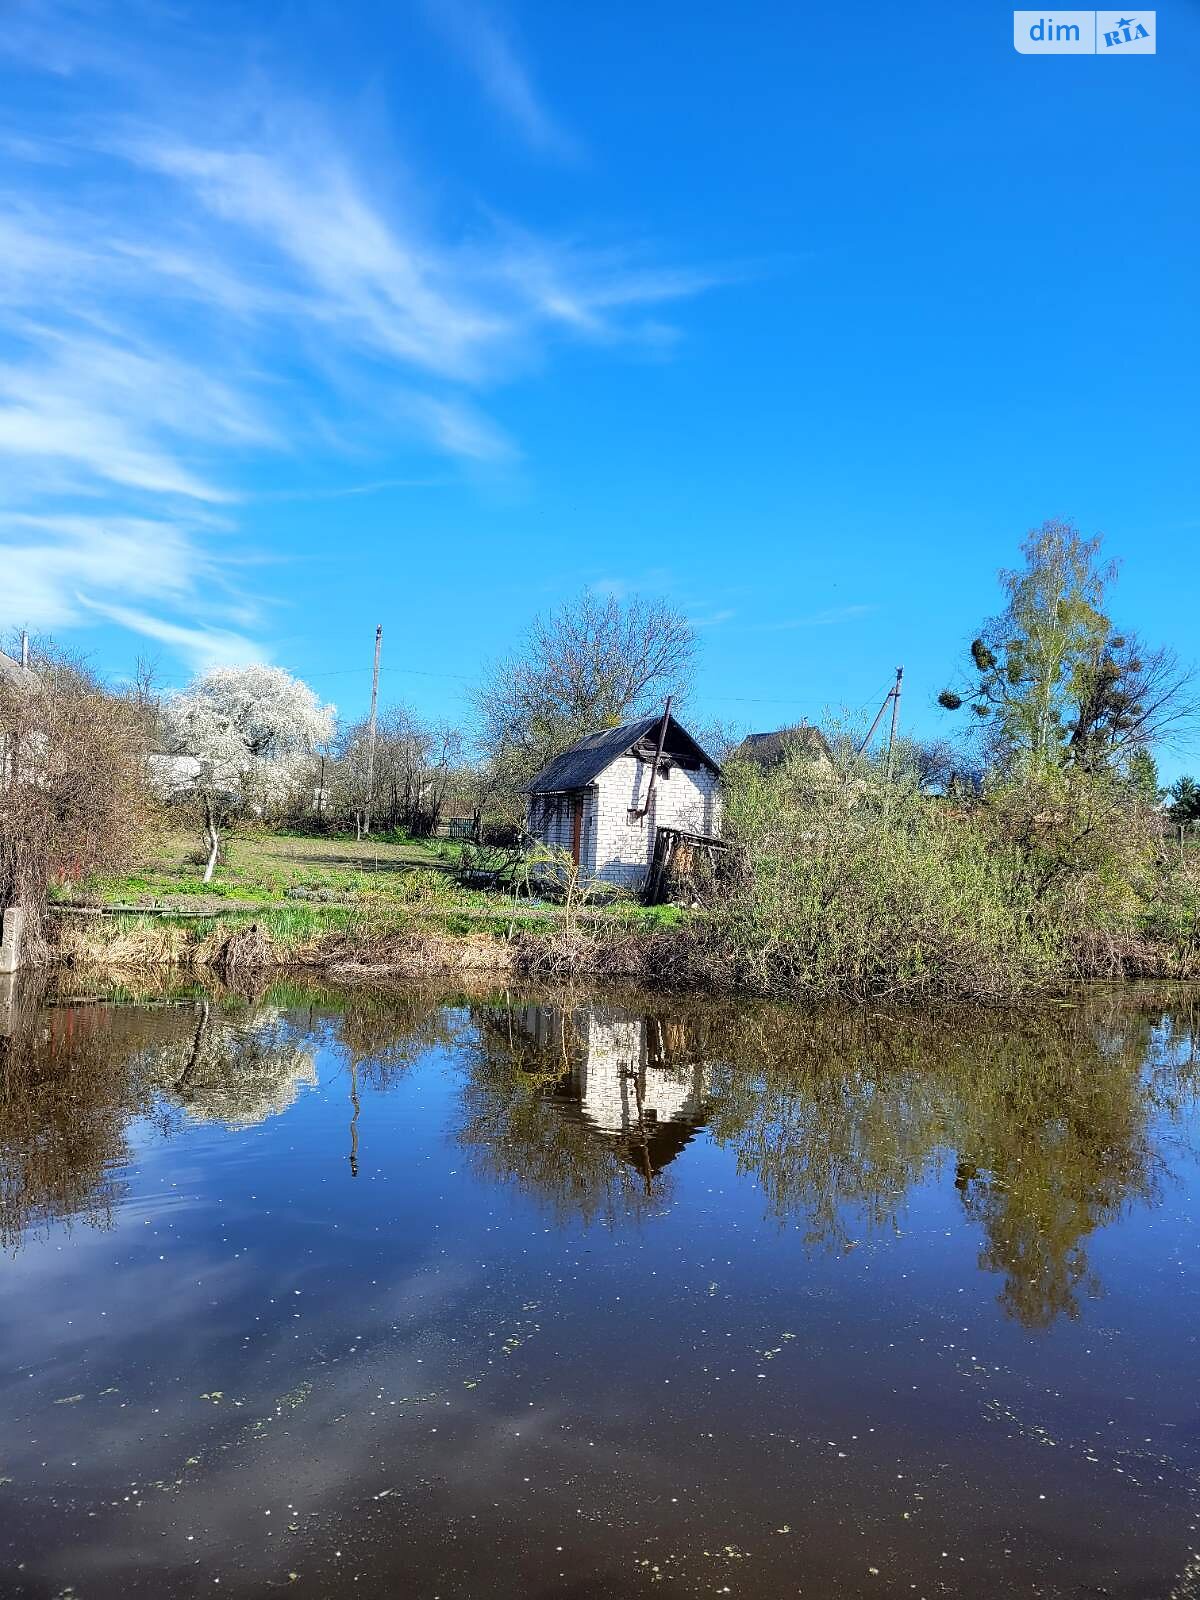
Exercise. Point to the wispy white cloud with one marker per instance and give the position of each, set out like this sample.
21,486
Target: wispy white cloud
351,491
203,648
478,38
110,411
61,571
47,559
186,306
360,274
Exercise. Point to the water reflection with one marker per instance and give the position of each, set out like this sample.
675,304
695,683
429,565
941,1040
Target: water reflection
1046,1121
1049,1126
585,1106
236,1070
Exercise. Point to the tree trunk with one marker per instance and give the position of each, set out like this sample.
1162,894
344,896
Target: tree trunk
214,839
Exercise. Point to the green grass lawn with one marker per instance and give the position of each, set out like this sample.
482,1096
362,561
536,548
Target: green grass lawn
304,883
263,868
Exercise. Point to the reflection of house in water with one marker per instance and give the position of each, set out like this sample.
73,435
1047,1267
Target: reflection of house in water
634,1078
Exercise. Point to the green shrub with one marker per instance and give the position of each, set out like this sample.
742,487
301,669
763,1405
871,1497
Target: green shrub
845,881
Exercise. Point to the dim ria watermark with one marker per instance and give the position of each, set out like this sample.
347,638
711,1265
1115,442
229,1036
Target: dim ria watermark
1085,33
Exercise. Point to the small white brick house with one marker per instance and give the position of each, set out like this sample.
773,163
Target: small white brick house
595,799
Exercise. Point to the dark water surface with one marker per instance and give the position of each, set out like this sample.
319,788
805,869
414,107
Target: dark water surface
416,1294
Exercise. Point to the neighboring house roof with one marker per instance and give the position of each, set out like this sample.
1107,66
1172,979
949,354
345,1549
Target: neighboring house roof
588,757
15,672
769,749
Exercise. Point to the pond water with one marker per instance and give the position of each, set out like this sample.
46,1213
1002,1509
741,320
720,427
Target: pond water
408,1293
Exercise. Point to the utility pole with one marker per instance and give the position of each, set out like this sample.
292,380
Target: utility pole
892,698
371,732
895,718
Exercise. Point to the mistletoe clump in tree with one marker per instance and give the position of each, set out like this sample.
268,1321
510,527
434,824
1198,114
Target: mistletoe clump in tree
1053,682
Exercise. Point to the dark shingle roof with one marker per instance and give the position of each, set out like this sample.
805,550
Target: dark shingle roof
768,749
588,757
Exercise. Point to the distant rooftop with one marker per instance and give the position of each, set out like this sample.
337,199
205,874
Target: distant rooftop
769,749
14,672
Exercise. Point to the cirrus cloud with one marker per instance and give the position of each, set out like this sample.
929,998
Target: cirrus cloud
192,305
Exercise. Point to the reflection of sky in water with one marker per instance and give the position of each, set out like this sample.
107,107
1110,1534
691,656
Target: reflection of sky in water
874,1307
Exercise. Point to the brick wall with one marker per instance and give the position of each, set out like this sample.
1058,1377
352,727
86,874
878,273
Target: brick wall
620,847
549,818
613,846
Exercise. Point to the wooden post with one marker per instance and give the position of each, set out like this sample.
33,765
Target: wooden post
870,734
8,1005
12,926
662,739
371,732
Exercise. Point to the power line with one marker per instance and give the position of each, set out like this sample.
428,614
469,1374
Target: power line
420,672
787,700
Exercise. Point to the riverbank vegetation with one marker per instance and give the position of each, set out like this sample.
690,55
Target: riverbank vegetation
837,882
1034,850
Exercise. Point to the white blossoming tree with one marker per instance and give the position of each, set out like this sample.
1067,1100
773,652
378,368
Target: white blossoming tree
237,736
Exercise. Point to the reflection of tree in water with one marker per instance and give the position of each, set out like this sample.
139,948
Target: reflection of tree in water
386,1031
237,1068
382,1032
1048,1115
1045,1118
1056,1140
67,1095
584,1107
814,1108
243,1066
74,1075
1053,1122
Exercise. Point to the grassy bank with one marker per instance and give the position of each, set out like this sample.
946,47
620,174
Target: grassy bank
273,869
692,954
837,884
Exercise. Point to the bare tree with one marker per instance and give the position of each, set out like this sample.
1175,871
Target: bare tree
410,778
74,791
596,661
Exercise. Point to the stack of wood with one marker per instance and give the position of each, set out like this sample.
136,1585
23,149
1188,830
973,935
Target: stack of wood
679,859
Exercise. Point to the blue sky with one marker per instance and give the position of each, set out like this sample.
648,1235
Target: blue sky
433,313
